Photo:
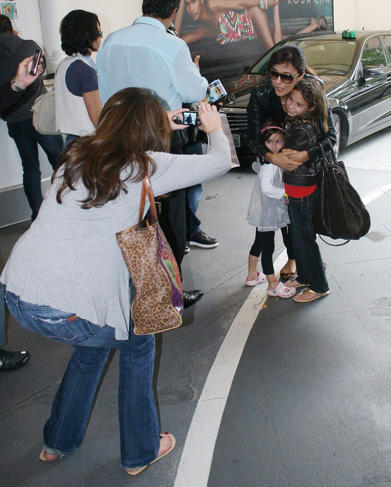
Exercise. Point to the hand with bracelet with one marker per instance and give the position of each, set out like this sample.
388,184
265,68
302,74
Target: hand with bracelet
23,78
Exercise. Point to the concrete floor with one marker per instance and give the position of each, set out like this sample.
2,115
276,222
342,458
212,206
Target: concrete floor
310,402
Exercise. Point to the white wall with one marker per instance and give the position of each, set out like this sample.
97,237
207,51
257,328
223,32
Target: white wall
373,14
121,14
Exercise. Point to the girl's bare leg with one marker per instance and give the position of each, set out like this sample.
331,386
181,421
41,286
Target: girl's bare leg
262,27
252,267
272,282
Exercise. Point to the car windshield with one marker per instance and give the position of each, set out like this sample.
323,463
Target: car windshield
325,56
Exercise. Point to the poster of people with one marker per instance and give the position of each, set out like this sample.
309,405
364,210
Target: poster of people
230,35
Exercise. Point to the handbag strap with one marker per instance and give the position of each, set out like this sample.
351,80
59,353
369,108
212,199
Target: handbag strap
146,190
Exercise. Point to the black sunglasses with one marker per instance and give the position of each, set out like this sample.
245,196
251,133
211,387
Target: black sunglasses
285,78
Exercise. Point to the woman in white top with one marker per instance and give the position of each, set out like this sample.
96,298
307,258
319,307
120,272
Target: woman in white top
78,105
268,212
66,278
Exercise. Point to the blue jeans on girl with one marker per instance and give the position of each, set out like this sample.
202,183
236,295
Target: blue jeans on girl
65,429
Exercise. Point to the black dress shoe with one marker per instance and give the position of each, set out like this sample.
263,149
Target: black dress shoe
12,360
191,297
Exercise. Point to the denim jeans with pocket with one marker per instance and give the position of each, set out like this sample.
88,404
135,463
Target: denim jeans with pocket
310,269
65,429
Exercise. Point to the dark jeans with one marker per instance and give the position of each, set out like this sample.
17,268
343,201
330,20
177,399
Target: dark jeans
310,269
64,430
27,139
264,245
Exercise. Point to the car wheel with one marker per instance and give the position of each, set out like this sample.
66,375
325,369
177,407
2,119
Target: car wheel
338,128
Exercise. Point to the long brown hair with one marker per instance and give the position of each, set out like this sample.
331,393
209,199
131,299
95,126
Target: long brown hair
313,93
132,122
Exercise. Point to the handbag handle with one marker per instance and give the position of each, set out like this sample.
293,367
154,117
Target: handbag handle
146,190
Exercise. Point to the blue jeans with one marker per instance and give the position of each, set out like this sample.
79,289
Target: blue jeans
310,269
65,429
27,139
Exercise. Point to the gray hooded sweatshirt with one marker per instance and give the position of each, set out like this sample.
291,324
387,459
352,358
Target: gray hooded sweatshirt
13,50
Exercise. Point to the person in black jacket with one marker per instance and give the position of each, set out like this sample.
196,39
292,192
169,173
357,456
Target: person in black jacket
10,92
19,118
286,67
306,124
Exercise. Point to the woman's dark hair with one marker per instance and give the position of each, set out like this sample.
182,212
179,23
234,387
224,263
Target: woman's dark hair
78,31
313,93
131,123
271,126
292,55
159,8
5,25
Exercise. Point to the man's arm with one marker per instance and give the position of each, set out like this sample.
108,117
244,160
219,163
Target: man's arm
186,78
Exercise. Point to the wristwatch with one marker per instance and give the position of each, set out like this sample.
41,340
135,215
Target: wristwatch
15,86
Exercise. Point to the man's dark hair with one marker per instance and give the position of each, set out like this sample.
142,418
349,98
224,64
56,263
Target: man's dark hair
5,25
78,31
161,9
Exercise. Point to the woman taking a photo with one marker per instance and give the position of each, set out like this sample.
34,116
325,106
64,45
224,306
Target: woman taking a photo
78,105
66,278
286,67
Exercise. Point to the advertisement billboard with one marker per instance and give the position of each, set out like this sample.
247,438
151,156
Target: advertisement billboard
230,35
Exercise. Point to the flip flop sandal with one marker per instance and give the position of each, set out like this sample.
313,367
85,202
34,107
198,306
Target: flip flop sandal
309,296
258,280
295,284
282,291
136,471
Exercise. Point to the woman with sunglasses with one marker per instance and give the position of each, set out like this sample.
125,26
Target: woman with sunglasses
78,105
286,67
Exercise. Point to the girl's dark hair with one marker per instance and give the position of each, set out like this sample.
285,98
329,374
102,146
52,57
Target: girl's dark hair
312,91
293,55
269,129
78,31
131,123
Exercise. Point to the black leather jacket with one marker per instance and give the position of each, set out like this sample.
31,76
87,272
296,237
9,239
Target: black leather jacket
301,134
264,104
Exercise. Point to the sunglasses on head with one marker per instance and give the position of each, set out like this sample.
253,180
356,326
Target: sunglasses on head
285,78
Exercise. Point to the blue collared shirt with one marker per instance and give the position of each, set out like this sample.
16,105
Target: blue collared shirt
144,55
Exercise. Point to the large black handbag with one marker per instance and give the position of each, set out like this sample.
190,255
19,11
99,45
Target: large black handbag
339,212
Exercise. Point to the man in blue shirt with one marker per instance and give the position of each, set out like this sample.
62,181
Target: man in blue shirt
143,55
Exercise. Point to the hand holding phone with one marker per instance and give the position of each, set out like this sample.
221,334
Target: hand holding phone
35,62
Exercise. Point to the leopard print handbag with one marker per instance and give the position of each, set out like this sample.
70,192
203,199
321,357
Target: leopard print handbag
158,303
